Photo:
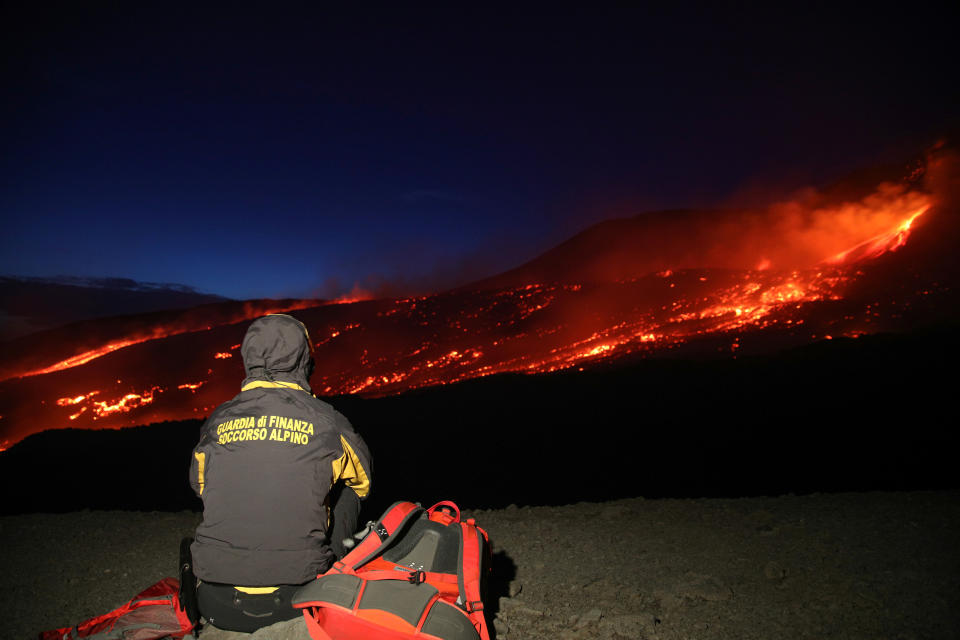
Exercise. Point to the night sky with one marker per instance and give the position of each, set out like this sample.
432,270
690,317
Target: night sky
293,151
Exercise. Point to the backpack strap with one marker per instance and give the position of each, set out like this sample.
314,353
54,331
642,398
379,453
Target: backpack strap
413,577
445,504
313,627
383,534
468,576
187,594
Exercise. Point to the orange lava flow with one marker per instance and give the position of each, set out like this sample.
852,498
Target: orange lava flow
357,294
85,357
694,305
125,404
389,346
65,402
881,243
156,333
104,408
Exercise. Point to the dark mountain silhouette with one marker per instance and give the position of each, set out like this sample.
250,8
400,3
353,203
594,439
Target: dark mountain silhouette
732,238
28,305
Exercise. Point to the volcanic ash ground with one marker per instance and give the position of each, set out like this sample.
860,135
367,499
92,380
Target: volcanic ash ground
852,566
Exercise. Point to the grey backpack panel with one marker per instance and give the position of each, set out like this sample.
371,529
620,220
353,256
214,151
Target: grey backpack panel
447,622
338,589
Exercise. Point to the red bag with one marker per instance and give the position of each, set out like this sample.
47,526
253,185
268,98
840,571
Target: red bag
154,613
417,574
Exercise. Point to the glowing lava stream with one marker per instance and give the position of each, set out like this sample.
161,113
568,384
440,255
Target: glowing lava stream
155,334
87,356
880,243
764,297
393,346
740,306
123,404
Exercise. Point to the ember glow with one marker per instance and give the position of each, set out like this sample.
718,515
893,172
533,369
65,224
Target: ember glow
86,356
881,243
188,325
538,328
845,233
357,294
124,404
65,402
105,408
387,346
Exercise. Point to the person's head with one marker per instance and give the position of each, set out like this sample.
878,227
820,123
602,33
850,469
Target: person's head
278,347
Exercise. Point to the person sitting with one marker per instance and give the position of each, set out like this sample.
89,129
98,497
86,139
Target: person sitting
281,475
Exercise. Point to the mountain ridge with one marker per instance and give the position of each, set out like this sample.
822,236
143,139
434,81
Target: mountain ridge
32,304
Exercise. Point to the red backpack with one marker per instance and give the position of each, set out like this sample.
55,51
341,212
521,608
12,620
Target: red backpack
416,574
154,613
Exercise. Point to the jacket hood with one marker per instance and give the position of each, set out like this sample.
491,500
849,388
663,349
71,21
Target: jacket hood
276,348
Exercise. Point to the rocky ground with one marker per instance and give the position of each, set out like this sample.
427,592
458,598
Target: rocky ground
847,566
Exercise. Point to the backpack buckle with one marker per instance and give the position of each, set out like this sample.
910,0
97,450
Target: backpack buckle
417,577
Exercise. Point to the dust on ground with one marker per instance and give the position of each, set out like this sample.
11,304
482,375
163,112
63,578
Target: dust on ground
849,566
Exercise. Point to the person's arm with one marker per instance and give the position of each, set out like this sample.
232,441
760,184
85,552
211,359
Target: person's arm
354,466
344,518
199,463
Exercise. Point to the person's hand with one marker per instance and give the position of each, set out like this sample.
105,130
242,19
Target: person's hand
351,541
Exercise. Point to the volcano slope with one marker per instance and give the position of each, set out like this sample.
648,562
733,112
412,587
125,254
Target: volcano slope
657,284
872,413
587,558
862,422
847,565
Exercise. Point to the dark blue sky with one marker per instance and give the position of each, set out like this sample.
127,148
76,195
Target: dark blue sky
289,151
